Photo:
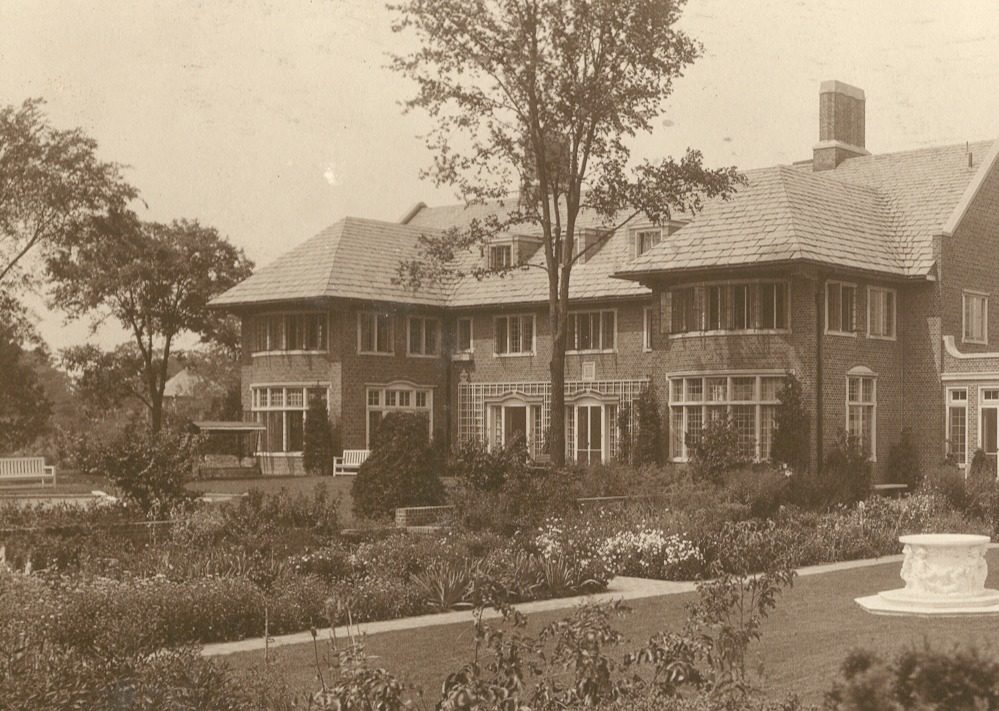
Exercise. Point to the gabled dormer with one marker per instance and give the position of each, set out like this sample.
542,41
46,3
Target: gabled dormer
643,236
510,251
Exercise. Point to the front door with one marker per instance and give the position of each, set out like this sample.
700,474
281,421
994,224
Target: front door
514,424
589,434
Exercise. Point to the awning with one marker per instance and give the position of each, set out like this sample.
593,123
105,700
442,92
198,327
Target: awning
214,426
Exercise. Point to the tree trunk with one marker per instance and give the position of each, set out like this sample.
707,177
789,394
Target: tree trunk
556,438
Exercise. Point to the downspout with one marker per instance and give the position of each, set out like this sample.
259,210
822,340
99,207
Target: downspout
819,329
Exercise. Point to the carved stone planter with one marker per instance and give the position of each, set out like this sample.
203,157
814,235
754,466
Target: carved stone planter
944,574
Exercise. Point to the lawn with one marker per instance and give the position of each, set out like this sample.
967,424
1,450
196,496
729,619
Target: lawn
67,482
338,486
804,641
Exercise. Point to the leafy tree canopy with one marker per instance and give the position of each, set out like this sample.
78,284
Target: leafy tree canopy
539,98
24,408
156,279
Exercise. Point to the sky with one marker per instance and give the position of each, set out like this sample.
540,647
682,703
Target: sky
272,119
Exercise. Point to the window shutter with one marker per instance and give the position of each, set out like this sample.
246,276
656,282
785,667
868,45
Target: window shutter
665,311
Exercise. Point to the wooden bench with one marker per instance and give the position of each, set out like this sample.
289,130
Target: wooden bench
350,462
17,469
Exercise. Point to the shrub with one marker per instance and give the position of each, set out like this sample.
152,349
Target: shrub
717,451
525,500
762,489
848,467
649,440
317,448
916,679
149,469
790,445
485,470
947,482
625,414
981,465
903,465
402,470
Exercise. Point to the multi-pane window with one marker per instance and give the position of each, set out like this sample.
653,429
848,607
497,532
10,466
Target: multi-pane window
374,333
282,409
424,336
861,411
750,306
749,401
646,240
841,306
383,400
463,336
500,256
880,312
591,331
976,317
957,425
514,335
291,332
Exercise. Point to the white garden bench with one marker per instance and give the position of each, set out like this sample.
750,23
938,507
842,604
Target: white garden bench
350,462
18,469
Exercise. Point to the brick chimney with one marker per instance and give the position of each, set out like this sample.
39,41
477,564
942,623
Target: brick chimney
841,125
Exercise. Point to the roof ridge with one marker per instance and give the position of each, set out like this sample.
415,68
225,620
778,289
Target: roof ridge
782,174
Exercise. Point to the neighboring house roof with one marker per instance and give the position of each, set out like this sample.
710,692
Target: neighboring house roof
875,213
184,383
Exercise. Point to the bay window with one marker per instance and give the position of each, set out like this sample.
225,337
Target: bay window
303,331
728,307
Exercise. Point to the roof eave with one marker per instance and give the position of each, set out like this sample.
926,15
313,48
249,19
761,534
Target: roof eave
971,191
647,275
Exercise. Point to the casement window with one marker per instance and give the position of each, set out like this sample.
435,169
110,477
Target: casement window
591,331
841,307
647,329
750,401
306,331
500,256
282,409
861,409
514,335
381,400
957,425
424,336
732,307
880,312
375,333
646,240
976,317
463,335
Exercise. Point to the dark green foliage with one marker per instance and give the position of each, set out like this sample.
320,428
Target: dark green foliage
474,464
956,680
790,445
624,428
527,497
981,465
948,481
717,451
404,468
317,454
649,439
845,479
24,409
903,465
149,469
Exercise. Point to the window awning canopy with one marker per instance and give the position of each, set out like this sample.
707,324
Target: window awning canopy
220,426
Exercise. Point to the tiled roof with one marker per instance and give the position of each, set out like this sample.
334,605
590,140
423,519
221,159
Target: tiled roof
873,212
352,259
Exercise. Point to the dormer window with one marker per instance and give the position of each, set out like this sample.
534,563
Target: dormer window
646,240
500,256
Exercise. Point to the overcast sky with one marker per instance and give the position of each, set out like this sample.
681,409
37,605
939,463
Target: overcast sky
272,119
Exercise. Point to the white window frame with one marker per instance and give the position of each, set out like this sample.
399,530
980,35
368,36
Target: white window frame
703,403
508,319
883,291
647,329
471,334
841,285
952,403
570,348
384,407
409,336
361,316
507,248
271,349
753,308
984,296
284,408
637,239
864,373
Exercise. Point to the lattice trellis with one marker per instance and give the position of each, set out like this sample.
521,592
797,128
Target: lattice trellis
472,399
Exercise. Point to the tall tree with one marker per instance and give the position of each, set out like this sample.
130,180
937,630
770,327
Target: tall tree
24,408
544,95
156,279
50,181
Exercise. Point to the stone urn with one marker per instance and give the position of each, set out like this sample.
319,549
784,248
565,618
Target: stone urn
944,574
